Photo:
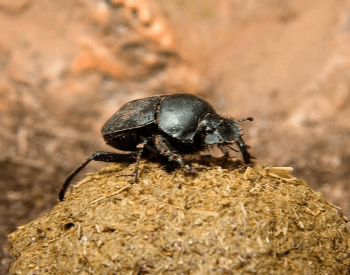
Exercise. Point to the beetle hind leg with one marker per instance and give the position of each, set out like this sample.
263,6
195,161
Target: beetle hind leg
97,156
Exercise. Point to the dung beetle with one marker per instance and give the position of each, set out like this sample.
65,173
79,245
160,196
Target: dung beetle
168,126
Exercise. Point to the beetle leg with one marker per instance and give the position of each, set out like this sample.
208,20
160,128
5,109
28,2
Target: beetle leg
140,148
224,150
97,156
243,147
166,150
233,149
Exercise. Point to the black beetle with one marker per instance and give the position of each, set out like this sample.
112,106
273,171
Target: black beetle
168,126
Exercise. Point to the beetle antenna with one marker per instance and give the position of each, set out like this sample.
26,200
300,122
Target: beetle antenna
245,119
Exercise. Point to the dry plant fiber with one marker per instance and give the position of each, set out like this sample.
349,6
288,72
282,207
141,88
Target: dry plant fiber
228,219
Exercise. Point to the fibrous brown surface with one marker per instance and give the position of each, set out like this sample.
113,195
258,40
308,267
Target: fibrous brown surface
228,219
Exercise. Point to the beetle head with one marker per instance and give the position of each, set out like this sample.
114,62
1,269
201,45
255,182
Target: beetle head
220,130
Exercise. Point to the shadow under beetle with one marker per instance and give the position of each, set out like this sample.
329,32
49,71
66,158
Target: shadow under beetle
166,125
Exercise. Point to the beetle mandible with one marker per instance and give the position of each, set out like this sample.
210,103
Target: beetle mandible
170,126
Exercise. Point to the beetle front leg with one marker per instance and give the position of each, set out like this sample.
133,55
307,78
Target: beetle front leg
166,150
243,147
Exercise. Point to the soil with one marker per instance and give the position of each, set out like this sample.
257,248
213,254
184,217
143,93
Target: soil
67,66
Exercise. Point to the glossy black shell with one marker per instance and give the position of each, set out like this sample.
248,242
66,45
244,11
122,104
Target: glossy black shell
179,115
176,115
134,114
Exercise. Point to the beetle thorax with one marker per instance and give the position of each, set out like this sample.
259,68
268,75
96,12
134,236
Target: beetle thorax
219,130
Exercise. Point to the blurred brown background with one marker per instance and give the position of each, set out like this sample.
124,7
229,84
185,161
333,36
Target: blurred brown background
66,66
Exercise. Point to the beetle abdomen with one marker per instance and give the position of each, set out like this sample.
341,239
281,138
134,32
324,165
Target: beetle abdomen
132,115
129,139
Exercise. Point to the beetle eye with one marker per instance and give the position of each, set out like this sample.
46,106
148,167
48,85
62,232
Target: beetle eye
209,130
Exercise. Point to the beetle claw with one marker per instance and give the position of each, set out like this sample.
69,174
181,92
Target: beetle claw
133,181
190,170
125,175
